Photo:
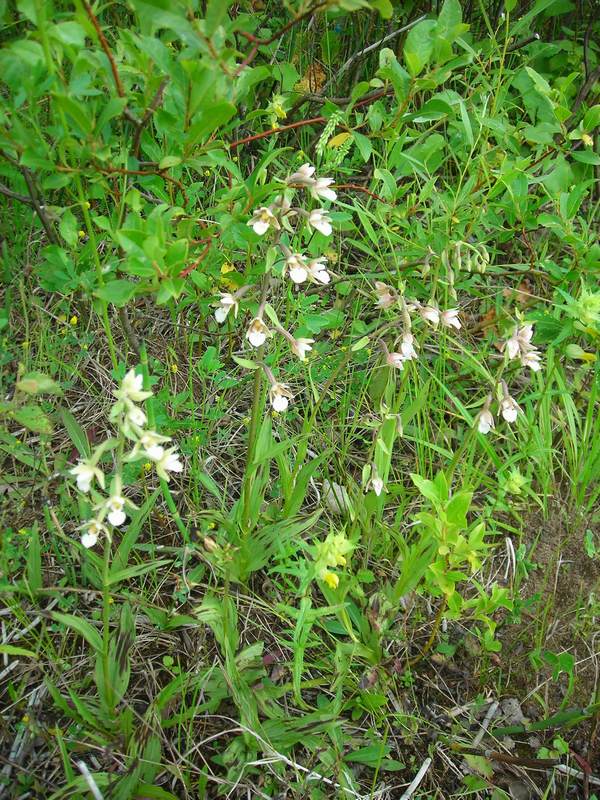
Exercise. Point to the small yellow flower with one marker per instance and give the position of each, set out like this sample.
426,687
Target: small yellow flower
25,718
147,466
331,579
110,601
74,320
81,234
335,334
227,267
587,140
87,205
174,368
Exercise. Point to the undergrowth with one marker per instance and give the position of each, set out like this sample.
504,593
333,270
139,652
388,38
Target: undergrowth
299,427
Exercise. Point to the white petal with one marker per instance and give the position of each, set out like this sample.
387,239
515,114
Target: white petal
117,518
280,402
512,347
84,483
89,539
155,452
298,275
173,463
260,227
324,227
328,194
221,314
322,276
257,338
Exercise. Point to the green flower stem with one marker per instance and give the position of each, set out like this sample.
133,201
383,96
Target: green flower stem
106,603
164,486
254,421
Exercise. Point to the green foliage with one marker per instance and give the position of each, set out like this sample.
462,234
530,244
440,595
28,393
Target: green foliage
375,451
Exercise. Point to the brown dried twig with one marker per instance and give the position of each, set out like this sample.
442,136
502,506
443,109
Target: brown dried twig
257,42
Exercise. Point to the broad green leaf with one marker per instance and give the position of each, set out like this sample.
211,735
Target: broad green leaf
216,14
169,161
117,292
38,383
418,46
80,626
76,433
33,418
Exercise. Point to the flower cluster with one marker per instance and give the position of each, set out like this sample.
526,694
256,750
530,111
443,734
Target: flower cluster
517,346
130,420
331,553
276,219
388,298
508,408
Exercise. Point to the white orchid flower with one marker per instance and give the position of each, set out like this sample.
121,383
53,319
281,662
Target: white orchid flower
449,318
115,505
430,314
152,445
297,268
92,530
300,347
135,416
320,221
320,189
257,333
408,347
132,388
168,462
386,295
86,472
262,219
317,270
485,418
280,396
395,360
227,303
303,176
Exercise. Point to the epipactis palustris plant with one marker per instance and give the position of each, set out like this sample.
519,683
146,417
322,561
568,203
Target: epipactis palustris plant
134,441
281,222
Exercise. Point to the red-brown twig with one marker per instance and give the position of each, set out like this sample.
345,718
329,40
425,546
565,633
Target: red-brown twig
105,46
145,172
256,42
154,104
122,171
358,188
185,272
301,123
264,134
